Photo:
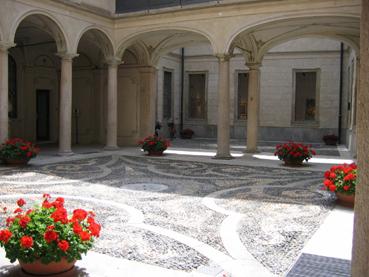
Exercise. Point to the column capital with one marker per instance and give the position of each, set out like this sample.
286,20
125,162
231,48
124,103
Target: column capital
67,56
4,46
253,66
223,57
114,61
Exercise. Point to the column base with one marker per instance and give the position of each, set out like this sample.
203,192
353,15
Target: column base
65,153
251,151
111,148
222,157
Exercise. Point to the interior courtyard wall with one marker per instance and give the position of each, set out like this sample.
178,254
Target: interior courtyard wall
172,63
36,70
276,89
128,103
85,95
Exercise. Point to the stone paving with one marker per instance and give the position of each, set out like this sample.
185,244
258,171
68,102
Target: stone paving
185,215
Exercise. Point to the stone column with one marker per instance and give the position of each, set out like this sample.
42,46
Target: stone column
112,105
223,128
253,107
148,95
4,109
360,252
65,106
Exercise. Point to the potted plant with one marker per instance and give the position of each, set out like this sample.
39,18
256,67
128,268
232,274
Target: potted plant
154,145
45,239
293,154
330,139
17,151
341,179
187,133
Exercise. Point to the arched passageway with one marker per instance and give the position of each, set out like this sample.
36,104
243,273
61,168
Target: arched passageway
33,71
254,42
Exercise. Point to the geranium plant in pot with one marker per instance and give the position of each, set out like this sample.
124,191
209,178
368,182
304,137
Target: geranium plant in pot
45,239
341,179
293,154
154,145
330,139
187,133
18,151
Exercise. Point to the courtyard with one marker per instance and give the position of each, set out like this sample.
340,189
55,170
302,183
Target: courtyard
185,214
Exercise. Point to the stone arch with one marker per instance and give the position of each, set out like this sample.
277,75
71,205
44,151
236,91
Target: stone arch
170,38
259,38
45,22
140,52
275,43
100,38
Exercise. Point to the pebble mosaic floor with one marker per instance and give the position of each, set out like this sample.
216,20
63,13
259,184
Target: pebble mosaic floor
185,215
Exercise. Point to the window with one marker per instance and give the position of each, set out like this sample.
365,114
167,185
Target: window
242,95
305,96
167,95
197,96
12,93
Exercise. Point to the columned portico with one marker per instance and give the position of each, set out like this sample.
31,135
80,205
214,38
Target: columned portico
223,127
360,254
4,120
148,95
253,107
65,106
112,105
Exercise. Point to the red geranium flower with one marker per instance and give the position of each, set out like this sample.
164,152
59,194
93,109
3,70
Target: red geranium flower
5,236
332,188
21,202
18,210
95,229
79,214
84,236
24,221
60,215
50,236
26,242
77,228
63,245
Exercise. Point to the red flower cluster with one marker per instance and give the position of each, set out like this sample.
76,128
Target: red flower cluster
56,231
294,151
341,178
17,148
154,143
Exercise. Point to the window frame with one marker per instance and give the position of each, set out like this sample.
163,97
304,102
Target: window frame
310,123
165,69
14,114
237,72
187,96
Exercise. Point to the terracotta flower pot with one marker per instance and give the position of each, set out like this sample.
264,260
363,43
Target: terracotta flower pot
39,269
293,162
15,162
155,153
347,200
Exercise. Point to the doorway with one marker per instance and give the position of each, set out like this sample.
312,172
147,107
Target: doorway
43,115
